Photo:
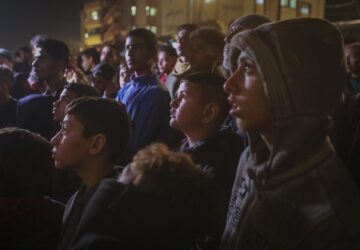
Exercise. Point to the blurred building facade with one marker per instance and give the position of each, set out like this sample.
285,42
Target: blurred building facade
108,21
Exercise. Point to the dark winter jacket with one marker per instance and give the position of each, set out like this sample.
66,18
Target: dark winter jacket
298,195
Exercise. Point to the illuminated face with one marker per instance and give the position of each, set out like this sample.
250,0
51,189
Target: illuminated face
108,55
165,63
186,109
59,106
183,45
70,147
247,96
138,56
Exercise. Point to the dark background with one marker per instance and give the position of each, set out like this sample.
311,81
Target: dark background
21,20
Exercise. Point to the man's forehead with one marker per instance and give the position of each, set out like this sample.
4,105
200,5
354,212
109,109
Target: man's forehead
134,40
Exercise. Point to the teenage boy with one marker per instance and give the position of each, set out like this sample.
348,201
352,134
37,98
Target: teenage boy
71,92
162,200
34,112
146,102
206,48
101,79
291,191
94,134
183,51
199,111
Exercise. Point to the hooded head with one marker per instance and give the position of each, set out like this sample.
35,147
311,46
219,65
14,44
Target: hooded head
301,67
240,24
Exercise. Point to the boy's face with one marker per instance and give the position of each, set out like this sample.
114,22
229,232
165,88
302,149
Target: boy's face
247,96
182,43
70,147
59,106
186,109
165,63
138,56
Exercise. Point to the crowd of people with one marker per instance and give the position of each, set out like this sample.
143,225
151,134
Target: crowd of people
245,140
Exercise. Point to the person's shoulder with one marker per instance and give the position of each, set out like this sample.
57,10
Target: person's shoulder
34,98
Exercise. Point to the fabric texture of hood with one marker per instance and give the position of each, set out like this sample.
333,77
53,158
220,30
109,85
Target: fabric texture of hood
302,64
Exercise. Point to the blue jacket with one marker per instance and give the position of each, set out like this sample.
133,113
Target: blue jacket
148,106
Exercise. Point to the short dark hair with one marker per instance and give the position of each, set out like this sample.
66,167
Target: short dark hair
56,49
212,90
168,49
100,115
93,53
211,36
81,90
186,26
26,163
150,39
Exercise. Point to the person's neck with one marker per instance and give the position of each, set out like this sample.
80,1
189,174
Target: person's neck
94,172
143,72
197,135
55,84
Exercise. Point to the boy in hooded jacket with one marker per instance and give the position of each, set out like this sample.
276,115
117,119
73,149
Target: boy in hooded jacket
291,191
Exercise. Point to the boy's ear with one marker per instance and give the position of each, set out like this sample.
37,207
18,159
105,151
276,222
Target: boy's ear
97,144
211,113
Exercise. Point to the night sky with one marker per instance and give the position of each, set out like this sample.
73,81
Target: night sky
20,20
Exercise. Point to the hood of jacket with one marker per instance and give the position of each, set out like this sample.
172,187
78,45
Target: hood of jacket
302,64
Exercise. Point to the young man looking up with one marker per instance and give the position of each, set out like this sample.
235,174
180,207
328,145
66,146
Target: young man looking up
71,92
94,134
34,111
183,51
291,191
146,102
199,111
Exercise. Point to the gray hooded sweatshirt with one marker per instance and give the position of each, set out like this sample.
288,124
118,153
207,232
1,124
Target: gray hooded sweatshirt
297,195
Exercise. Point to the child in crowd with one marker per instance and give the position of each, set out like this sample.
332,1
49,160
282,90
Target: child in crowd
92,139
